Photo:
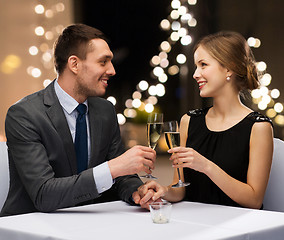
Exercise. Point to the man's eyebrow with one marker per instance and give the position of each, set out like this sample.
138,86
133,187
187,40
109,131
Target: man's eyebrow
106,56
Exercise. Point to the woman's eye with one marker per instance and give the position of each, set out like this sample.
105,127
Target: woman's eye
203,64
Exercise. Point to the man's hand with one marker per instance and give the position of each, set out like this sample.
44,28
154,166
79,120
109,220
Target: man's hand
149,192
134,160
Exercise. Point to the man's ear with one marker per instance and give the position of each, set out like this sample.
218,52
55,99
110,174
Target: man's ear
73,63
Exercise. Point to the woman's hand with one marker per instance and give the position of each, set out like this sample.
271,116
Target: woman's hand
187,157
148,193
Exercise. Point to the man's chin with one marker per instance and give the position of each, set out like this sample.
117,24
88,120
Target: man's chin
97,93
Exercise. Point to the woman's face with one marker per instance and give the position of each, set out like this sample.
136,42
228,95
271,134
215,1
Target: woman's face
209,74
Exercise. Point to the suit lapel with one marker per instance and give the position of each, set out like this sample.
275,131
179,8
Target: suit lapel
57,117
95,123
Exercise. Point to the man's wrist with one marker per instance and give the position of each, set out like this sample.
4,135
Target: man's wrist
102,177
113,169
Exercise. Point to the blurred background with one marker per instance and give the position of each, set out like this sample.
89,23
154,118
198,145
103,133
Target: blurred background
152,42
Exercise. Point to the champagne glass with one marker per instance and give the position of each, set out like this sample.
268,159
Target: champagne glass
172,136
154,131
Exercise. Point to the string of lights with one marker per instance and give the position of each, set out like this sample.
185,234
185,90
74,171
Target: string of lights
146,96
46,32
265,99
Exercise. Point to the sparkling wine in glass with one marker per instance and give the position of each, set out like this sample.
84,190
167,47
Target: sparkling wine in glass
172,136
153,134
154,131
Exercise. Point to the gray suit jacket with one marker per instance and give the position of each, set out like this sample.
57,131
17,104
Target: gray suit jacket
42,157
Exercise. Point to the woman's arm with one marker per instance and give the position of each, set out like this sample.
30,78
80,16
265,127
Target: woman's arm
248,194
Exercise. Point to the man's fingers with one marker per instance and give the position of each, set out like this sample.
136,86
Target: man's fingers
152,185
149,192
147,196
159,194
143,189
147,170
149,164
147,149
156,188
145,205
136,197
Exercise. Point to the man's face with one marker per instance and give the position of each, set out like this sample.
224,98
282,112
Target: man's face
95,70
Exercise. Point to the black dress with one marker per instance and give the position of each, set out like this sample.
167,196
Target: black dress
228,149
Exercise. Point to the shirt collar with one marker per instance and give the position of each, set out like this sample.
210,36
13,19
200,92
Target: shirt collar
65,100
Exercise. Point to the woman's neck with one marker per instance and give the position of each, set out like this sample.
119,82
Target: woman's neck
228,105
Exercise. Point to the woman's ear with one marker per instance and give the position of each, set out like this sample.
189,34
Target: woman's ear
73,63
229,74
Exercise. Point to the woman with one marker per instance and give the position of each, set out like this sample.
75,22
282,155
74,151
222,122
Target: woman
226,150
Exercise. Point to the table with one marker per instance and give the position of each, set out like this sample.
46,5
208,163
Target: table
118,220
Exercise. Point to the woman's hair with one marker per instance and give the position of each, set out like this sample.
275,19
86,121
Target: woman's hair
231,50
74,40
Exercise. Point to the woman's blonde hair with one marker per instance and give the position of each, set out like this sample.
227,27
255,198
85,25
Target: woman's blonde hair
231,50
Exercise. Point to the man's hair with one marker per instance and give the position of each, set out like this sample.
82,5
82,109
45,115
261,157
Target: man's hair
74,40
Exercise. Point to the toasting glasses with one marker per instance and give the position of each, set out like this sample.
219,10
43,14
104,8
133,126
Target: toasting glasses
154,131
172,136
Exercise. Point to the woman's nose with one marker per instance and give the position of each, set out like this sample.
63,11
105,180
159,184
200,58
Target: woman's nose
196,74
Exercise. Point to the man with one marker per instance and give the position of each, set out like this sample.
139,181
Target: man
46,170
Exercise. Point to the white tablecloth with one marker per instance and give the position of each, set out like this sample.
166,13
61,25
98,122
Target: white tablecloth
117,220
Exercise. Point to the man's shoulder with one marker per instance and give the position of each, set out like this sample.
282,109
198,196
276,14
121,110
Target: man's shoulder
34,99
25,111
29,100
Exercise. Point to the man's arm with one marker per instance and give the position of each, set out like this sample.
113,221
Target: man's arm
125,183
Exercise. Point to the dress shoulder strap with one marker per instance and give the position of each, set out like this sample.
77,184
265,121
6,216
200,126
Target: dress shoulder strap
198,112
258,117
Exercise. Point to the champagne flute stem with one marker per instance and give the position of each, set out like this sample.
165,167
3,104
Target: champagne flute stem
178,174
179,178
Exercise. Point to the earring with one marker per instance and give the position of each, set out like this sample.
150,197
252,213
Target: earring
228,78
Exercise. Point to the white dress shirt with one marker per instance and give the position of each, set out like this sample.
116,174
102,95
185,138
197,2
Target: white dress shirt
102,175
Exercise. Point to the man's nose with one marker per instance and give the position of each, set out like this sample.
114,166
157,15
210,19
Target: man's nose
111,70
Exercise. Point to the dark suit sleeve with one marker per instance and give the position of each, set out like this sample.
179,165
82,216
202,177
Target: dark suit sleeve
124,185
35,152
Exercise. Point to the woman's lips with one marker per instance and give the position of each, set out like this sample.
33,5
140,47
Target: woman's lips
201,84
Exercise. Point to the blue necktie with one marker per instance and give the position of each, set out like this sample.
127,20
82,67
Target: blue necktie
81,140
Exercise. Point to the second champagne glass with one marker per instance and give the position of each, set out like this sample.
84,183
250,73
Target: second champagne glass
172,136
154,131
